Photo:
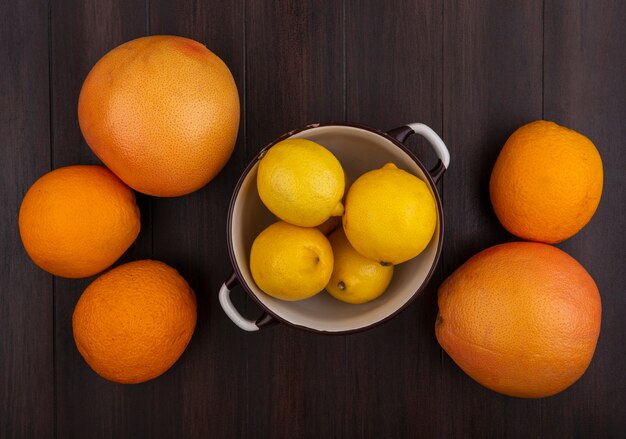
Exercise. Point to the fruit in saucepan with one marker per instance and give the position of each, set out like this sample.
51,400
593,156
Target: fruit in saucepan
390,215
291,262
355,279
301,182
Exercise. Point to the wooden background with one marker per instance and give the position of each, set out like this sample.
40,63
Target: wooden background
472,70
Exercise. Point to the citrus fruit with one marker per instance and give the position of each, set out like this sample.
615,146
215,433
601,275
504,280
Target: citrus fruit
290,262
162,112
301,182
77,220
390,215
331,224
521,318
355,278
546,183
133,322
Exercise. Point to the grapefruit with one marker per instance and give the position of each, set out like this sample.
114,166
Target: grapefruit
162,112
521,318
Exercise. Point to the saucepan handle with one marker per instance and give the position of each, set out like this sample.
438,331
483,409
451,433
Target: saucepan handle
227,305
403,132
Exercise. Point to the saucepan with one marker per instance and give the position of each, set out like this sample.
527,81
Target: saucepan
359,149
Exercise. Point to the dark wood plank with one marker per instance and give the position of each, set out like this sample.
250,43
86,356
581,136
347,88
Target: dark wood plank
26,299
492,85
82,32
204,395
394,60
294,76
584,89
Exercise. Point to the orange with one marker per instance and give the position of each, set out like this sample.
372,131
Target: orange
76,221
546,183
521,318
134,322
162,112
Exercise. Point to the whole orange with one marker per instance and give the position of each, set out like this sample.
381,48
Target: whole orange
546,183
521,318
133,322
77,220
162,112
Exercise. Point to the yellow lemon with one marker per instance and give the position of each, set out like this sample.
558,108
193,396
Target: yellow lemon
355,278
390,215
331,224
290,262
301,182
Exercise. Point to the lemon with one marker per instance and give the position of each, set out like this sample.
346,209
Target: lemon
355,278
290,262
301,182
329,226
390,215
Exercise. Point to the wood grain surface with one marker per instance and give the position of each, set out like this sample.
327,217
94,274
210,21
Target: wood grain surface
492,85
472,70
27,358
